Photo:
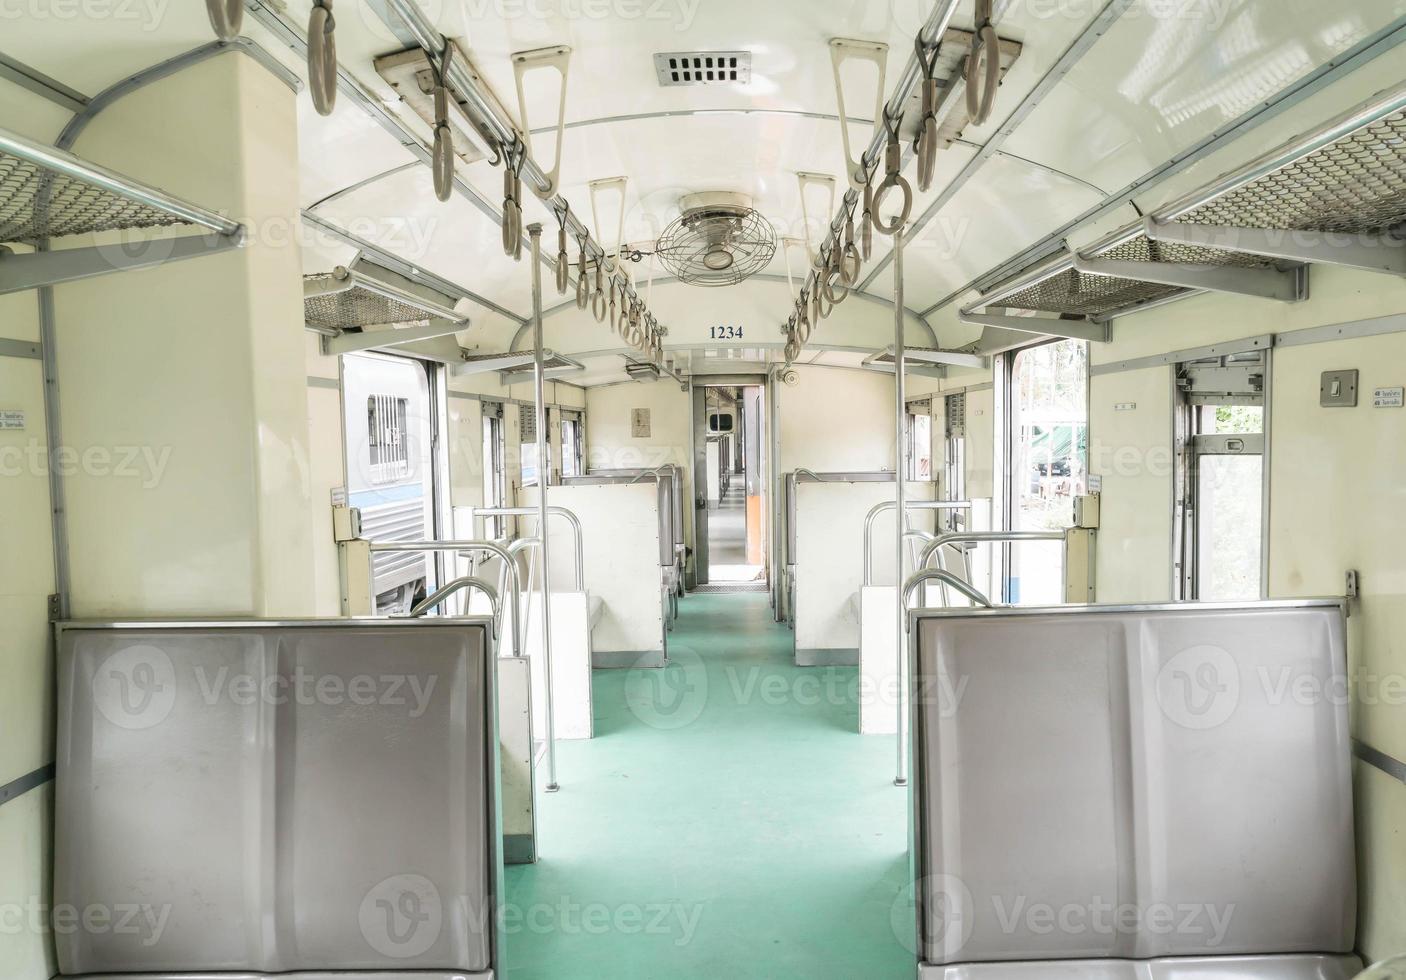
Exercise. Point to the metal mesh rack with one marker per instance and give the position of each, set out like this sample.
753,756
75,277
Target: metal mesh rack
1347,179
36,204
355,307
1355,185
47,193
521,363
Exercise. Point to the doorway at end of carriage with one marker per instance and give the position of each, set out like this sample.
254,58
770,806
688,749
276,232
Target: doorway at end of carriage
731,482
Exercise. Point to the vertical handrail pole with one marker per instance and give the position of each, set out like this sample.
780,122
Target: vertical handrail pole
539,398
900,523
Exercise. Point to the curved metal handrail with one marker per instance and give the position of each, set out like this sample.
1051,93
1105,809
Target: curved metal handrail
979,537
430,547
947,579
553,510
462,584
885,505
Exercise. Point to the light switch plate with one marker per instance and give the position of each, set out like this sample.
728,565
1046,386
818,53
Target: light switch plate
1338,389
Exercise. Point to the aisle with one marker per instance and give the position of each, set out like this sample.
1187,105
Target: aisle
726,821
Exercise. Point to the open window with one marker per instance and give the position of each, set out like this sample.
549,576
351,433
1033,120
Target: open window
918,431
1046,461
391,425
573,444
494,472
1221,476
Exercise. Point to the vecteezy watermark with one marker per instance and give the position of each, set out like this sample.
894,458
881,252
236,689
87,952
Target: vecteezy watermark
402,916
137,687
669,697
1199,688
950,913
146,923
571,918
757,684
144,465
679,13
305,687
147,15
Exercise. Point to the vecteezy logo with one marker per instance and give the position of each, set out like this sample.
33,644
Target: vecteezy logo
946,922
1199,688
669,697
402,916
135,688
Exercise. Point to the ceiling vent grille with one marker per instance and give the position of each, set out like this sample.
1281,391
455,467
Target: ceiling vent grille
703,67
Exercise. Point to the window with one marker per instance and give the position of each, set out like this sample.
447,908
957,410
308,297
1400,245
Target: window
386,433
918,428
494,488
393,411
573,444
955,455
1047,415
1220,477
527,449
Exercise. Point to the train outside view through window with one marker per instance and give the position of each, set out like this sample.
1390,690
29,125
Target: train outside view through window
1049,428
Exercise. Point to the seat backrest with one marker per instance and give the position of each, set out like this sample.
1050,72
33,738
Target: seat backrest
1133,782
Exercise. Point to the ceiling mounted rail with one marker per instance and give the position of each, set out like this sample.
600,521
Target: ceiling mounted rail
1336,196
48,193
406,18
836,264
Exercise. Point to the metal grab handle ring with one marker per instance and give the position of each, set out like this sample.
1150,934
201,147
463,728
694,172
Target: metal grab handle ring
443,163
984,66
866,223
926,147
583,284
563,261
226,18
442,159
599,308
900,219
322,57
512,208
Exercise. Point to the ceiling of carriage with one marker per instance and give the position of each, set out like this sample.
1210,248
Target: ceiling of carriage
1103,94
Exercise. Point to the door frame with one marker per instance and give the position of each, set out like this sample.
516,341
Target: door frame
698,386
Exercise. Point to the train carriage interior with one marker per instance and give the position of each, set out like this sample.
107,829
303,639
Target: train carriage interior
565,489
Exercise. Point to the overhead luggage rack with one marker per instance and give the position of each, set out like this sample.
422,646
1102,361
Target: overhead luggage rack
519,365
346,304
1334,197
47,193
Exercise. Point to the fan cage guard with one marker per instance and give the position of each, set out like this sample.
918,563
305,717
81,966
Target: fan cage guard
1355,185
745,237
357,308
37,203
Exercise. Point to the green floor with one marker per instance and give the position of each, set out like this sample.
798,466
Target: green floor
726,821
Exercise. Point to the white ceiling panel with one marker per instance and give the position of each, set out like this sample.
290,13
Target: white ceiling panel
1168,75
451,239
1008,205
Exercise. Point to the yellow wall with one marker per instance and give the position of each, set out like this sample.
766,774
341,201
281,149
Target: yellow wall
26,666
1337,502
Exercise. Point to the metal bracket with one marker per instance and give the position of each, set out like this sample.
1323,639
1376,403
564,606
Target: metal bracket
1288,286
921,356
876,53
34,269
786,245
1374,253
805,180
1041,326
349,343
557,58
597,187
